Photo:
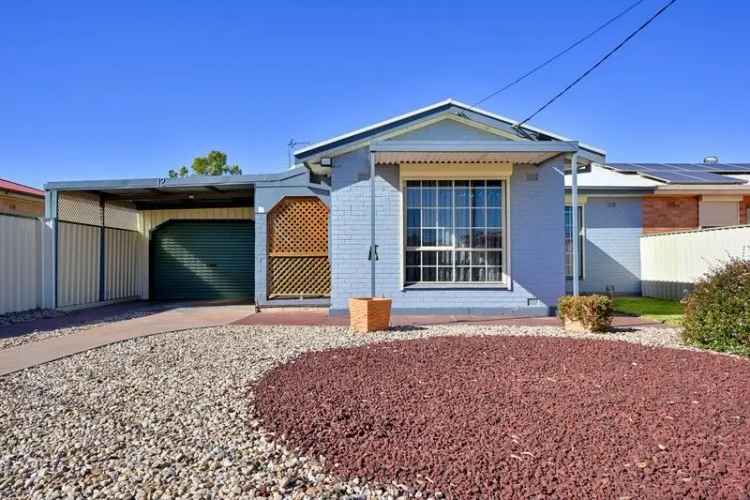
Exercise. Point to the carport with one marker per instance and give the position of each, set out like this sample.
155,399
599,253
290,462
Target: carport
242,238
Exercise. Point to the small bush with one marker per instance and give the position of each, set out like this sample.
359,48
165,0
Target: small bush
717,313
593,311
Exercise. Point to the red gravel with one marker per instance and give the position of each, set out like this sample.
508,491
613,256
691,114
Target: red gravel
520,416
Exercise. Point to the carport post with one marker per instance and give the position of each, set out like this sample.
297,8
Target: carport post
574,217
373,254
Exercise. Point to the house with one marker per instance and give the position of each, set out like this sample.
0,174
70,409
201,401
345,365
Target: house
446,209
17,199
620,202
467,217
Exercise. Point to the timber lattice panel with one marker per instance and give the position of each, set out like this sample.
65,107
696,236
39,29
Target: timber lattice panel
80,207
298,264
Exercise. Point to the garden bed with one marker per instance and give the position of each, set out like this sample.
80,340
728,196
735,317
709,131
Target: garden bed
520,416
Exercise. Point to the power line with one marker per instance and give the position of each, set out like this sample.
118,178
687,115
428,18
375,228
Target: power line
560,54
598,63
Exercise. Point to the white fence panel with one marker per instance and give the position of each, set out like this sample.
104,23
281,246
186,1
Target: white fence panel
672,262
20,253
121,264
78,264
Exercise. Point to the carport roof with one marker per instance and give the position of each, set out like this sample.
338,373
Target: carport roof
190,183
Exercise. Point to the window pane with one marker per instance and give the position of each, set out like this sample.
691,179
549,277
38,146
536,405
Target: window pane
412,258
412,238
429,237
429,194
429,258
445,258
493,217
445,274
494,258
462,194
429,217
478,274
463,274
444,238
444,217
494,197
494,274
477,217
429,274
478,238
463,258
453,215
412,217
412,197
494,238
445,195
478,258
412,274
478,194
463,238
462,217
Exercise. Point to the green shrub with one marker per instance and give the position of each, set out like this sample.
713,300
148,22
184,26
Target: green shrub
717,313
593,311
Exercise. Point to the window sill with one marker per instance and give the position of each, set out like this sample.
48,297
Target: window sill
456,286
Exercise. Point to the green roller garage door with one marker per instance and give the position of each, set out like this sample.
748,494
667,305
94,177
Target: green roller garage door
203,260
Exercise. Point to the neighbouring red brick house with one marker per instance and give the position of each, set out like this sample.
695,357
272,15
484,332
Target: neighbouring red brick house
17,199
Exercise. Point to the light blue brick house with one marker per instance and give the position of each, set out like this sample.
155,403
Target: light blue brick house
469,212
446,209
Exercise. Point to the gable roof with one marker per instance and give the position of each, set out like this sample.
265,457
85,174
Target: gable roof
445,105
14,187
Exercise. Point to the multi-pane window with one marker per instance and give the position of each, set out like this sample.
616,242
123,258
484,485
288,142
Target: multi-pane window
454,231
569,242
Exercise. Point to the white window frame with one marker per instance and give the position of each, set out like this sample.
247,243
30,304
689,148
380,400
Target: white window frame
582,246
506,282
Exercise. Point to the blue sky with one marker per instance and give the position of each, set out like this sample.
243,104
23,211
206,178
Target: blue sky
97,90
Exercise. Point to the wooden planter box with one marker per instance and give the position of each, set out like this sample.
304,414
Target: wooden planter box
369,314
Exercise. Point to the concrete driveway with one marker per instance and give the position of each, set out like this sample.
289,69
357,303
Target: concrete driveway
156,318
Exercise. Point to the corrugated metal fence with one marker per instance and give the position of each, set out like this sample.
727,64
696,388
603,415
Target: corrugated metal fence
20,269
672,262
98,250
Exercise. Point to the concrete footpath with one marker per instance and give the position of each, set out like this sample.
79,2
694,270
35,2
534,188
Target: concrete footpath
182,318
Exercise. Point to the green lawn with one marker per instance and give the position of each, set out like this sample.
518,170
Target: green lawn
666,311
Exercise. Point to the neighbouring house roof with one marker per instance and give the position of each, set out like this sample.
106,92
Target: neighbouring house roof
14,187
665,177
373,131
685,173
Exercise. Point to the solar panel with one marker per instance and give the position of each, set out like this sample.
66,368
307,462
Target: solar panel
685,173
674,177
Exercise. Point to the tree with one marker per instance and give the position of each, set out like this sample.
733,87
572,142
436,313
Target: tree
215,163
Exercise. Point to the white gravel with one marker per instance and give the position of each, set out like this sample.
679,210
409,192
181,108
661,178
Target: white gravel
167,416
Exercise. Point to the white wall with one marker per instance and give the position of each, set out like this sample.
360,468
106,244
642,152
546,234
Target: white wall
672,262
20,255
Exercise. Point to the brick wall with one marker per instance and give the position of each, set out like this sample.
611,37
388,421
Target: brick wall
669,213
536,240
612,250
21,205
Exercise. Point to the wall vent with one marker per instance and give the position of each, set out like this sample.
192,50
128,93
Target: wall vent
612,204
533,301
532,177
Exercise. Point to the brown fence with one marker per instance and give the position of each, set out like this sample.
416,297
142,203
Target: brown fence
298,264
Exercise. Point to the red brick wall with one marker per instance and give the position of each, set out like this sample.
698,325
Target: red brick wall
669,213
